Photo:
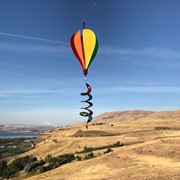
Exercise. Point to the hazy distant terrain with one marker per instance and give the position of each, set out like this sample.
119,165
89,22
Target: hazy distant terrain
151,147
21,131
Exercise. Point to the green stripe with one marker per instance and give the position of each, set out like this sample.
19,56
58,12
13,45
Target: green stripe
94,53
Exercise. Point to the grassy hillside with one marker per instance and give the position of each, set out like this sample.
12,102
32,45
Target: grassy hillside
151,147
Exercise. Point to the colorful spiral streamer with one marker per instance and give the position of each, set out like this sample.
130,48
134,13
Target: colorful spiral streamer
90,104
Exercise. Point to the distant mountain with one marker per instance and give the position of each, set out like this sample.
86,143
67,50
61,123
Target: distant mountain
47,123
24,129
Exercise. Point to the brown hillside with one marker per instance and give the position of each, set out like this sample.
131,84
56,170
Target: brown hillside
151,148
121,116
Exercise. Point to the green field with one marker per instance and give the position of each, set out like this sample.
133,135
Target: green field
10,147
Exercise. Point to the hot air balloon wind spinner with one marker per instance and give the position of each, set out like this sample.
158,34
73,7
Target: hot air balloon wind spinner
85,46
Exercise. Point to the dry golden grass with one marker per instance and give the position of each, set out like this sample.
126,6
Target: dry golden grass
151,148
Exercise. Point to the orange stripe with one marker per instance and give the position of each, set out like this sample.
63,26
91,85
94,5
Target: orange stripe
79,47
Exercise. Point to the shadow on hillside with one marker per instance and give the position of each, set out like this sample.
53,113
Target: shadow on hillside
93,133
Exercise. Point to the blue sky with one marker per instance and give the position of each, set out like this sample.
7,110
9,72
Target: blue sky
137,65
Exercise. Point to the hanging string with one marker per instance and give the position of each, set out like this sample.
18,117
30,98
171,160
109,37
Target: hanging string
91,7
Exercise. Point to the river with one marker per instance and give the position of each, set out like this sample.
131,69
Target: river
6,135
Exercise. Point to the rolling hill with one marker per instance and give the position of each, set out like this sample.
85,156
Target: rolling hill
150,147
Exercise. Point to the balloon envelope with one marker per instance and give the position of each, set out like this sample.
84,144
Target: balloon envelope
85,46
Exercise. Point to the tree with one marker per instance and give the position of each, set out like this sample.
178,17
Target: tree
30,167
3,166
117,144
49,158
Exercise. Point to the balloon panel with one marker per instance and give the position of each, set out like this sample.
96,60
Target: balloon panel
77,47
94,53
89,42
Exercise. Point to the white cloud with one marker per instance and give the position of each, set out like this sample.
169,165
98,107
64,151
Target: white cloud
14,47
36,93
151,51
51,46
61,47
112,90
32,38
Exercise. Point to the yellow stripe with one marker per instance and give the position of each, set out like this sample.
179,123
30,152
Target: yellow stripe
89,42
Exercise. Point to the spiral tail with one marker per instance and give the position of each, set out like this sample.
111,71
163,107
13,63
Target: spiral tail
89,112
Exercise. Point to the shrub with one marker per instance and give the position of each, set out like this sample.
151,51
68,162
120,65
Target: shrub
43,169
66,158
34,165
78,158
8,174
108,150
55,141
117,144
88,149
49,158
89,156
32,159
100,123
